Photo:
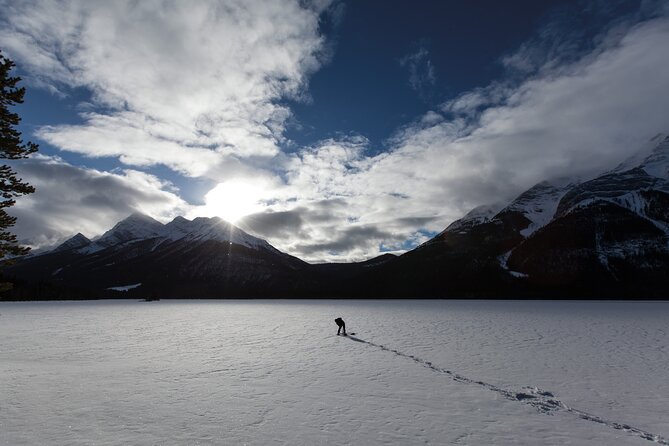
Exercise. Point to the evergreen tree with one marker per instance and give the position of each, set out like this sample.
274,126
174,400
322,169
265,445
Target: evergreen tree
11,148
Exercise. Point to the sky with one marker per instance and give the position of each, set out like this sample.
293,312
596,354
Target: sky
336,130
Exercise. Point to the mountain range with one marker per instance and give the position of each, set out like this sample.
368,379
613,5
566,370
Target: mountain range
607,237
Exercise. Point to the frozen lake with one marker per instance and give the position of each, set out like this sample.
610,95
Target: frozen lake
274,372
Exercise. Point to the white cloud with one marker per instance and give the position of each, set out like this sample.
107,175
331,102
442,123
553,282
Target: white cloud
570,120
421,71
71,199
184,84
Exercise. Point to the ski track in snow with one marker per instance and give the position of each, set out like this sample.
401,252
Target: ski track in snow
543,401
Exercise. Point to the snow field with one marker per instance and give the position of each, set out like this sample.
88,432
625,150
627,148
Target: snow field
274,372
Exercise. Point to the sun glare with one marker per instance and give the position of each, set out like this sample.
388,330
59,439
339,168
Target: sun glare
233,200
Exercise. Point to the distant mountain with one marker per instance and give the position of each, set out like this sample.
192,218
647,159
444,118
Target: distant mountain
205,257
607,237
139,227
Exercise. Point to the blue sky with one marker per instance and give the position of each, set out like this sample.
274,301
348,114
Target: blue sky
366,87
335,129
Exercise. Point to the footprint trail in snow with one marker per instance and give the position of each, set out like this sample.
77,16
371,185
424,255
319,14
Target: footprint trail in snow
542,400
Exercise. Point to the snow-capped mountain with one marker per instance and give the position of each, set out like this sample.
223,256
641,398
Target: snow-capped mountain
527,213
611,229
605,237
139,227
634,187
205,257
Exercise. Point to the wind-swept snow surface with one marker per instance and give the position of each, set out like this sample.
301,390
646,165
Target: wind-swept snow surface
261,372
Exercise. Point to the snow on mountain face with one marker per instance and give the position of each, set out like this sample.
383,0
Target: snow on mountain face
640,184
633,189
476,216
202,228
657,163
177,228
653,157
538,204
136,226
139,227
633,185
616,217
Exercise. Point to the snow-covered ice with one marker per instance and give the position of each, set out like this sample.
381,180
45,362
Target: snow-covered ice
274,372
125,287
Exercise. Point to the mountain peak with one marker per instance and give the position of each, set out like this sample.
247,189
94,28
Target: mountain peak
657,163
652,157
214,228
476,216
75,242
135,226
138,227
210,220
179,219
139,217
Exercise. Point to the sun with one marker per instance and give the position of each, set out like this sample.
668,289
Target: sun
233,200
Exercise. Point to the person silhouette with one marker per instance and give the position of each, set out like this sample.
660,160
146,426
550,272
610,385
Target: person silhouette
341,324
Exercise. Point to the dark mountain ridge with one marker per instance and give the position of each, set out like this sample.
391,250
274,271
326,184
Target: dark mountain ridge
200,258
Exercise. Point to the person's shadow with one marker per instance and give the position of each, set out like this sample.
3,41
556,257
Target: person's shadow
353,338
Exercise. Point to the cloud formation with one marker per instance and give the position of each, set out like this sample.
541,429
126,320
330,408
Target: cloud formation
200,90
187,85
487,145
422,76
71,199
